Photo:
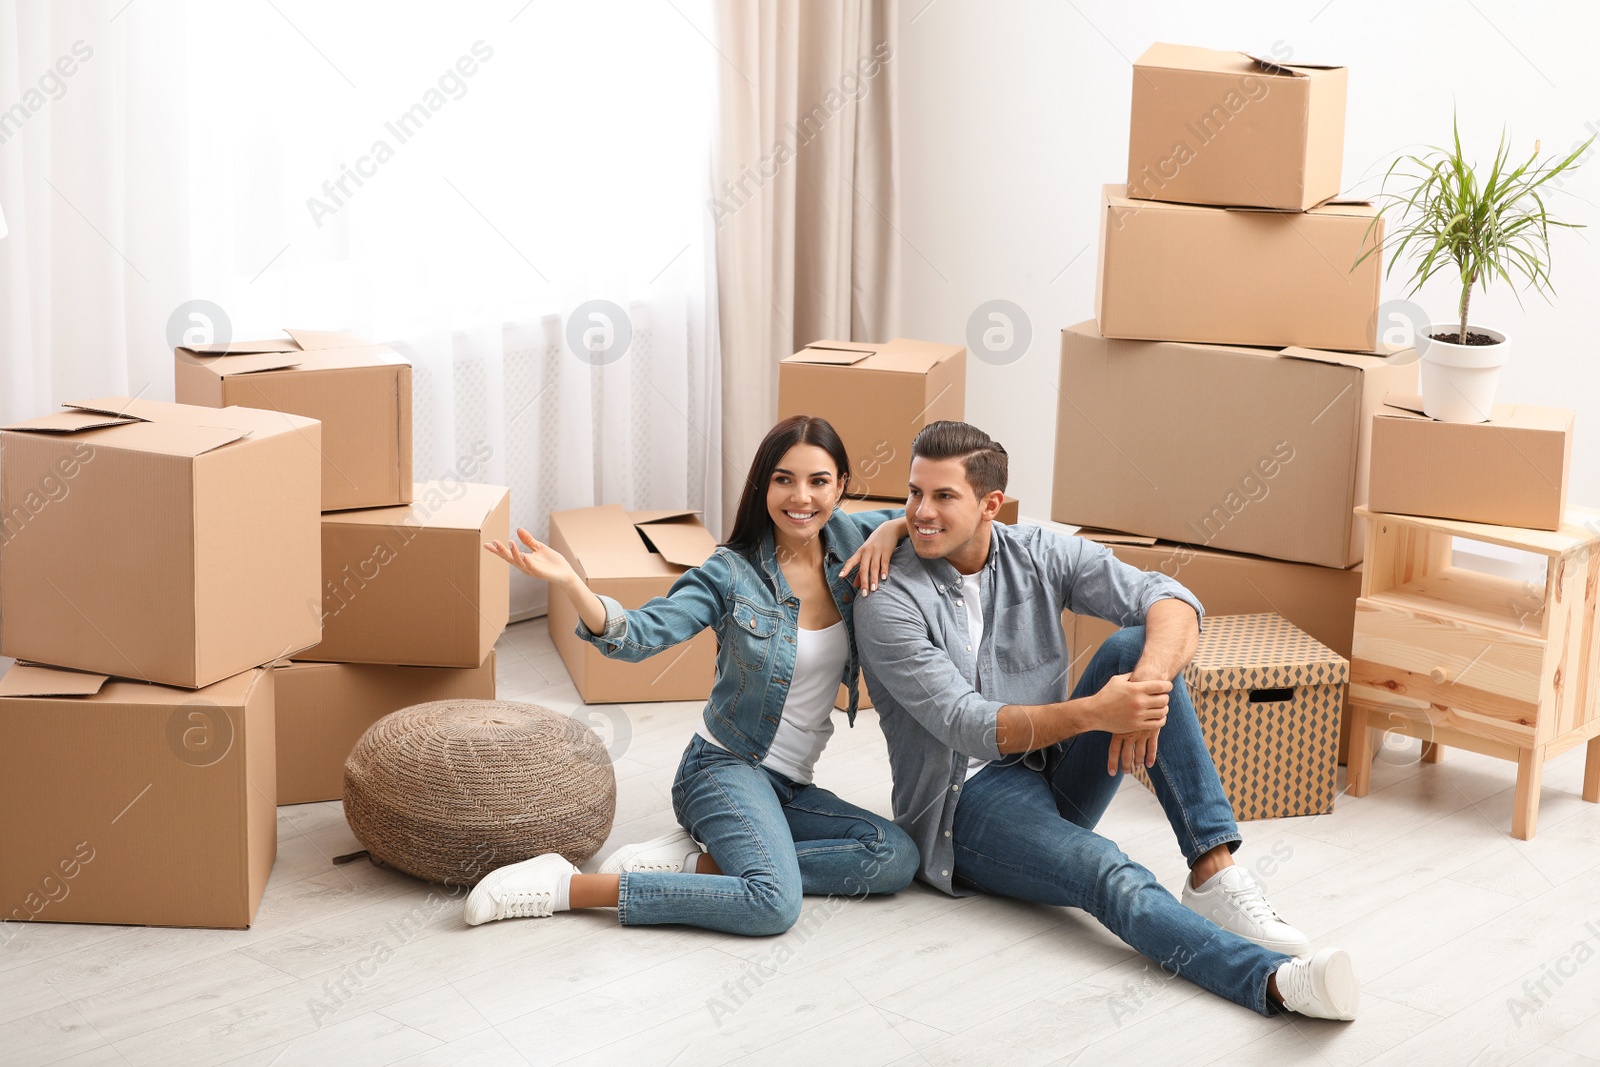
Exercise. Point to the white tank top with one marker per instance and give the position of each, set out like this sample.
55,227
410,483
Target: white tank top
820,658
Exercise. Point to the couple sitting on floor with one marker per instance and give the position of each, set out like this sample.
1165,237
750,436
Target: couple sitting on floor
999,777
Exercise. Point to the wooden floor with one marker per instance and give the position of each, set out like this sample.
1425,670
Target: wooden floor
1472,947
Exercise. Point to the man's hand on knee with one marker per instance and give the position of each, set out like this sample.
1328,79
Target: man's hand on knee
1132,750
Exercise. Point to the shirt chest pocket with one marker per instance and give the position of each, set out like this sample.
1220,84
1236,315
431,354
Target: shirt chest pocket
1020,641
751,633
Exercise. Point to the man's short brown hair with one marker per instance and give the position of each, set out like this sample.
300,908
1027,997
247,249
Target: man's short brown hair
983,457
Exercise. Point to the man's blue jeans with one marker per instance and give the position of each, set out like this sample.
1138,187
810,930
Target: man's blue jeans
1027,831
773,839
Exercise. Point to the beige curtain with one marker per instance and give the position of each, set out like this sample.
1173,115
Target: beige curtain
804,196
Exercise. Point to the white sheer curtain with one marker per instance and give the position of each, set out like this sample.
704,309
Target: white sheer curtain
458,180
91,132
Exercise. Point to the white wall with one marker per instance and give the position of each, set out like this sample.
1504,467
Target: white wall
1014,113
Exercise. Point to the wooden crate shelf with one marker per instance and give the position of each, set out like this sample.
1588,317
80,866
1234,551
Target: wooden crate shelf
1486,600
1462,659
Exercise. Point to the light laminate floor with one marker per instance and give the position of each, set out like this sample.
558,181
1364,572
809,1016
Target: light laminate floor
1473,947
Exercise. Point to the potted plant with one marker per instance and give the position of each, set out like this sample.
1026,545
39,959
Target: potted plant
1494,228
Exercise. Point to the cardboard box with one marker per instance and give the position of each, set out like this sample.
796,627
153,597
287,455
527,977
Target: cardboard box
1509,471
135,804
412,584
1269,699
1248,450
877,397
632,556
361,393
324,708
1232,129
163,542
1238,276
1007,515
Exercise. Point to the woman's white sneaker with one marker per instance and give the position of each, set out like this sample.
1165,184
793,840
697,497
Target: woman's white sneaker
532,889
667,854
1233,900
1323,987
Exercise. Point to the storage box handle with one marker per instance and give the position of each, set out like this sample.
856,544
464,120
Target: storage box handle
1272,696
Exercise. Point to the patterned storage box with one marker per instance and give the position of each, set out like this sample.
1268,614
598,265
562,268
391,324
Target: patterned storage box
1269,697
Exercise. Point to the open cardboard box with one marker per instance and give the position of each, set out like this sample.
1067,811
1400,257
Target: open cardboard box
361,393
631,556
1238,276
412,584
1244,449
1232,129
164,542
135,804
1509,471
877,396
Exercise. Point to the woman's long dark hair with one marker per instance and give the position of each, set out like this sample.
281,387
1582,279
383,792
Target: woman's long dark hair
752,522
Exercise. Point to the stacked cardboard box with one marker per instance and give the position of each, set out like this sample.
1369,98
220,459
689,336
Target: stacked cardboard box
410,605
361,393
1509,471
133,803
174,547
163,566
1218,410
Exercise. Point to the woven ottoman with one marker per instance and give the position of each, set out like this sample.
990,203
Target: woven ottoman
450,790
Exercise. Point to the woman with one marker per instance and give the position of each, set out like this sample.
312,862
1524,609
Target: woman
776,593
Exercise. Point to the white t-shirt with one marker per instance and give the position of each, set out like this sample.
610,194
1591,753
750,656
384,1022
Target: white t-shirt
820,658
972,595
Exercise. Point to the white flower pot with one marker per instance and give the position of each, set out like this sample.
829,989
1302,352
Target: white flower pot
1458,381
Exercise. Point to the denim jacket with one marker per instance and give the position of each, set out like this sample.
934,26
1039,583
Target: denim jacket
756,616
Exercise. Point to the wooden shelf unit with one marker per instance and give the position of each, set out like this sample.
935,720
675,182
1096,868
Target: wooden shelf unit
1468,660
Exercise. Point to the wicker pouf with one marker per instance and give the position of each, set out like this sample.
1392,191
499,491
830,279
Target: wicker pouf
450,790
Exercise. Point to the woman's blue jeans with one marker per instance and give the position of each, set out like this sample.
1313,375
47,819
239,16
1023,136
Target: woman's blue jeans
1025,829
773,839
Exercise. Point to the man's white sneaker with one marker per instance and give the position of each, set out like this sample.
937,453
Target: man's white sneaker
1233,900
534,889
1323,987
667,854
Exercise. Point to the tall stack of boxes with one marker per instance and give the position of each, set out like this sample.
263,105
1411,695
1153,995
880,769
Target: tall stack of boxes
201,635
409,602
1215,416
158,558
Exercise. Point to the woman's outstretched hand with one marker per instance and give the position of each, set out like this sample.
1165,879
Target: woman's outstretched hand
539,561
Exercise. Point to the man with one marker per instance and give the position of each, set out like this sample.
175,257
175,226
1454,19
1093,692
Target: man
1000,780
